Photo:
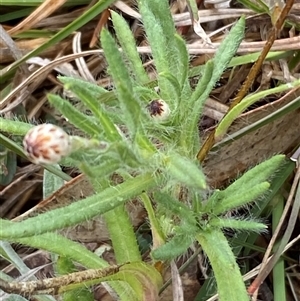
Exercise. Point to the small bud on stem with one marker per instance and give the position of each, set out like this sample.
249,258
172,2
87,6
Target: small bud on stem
159,110
47,144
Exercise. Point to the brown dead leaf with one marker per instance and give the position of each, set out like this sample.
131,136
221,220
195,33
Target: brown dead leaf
43,11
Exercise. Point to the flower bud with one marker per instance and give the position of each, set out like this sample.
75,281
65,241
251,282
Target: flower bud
46,144
159,110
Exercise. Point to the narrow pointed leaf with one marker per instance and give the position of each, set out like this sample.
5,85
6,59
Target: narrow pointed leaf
173,248
129,105
90,101
256,175
79,211
127,42
239,199
237,224
74,116
185,171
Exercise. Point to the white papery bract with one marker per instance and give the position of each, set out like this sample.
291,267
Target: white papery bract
47,144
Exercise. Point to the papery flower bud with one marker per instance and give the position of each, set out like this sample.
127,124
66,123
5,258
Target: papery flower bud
46,144
159,110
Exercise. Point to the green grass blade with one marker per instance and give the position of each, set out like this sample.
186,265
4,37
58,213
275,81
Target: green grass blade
65,32
278,274
39,2
16,14
245,103
289,107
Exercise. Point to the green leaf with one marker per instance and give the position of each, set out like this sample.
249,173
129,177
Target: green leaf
237,224
74,116
222,260
90,101
192,111
62,246
202,85
130,107
51,182
236,200
82,293
96,90
156,230
14,127
185,171
228,49
157,33
143,278
128,44
173,86
182,62
102,170
175,207
119,227
224,54
240,239
78,211
173,248
170,43
161,32
145,94
256,175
